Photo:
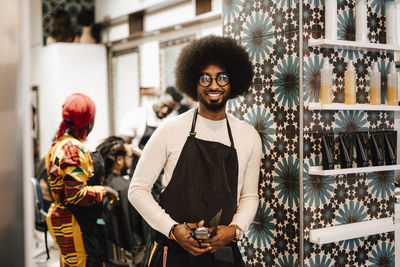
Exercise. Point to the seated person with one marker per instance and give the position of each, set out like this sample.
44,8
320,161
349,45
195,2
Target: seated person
90,32
62,28
117,157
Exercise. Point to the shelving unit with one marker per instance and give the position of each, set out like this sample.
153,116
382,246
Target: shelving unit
353,230
371,227
341,106
317,170
352,45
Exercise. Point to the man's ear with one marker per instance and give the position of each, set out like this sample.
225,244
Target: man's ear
119,160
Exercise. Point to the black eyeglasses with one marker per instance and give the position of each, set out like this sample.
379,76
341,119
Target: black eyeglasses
222,79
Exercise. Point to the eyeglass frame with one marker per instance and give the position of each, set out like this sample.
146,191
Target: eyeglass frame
215,78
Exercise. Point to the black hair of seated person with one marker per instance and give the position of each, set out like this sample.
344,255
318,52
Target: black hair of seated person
110,149
85,17
62,28
224,52
174,93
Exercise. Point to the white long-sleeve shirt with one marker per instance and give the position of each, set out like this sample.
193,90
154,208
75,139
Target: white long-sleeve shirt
164,149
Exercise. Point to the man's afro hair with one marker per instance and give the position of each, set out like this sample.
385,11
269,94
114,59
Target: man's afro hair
221,51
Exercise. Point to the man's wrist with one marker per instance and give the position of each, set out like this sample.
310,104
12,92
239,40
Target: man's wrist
171,234
238,233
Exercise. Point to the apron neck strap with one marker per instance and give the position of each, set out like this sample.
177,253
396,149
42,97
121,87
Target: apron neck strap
193,133
229,132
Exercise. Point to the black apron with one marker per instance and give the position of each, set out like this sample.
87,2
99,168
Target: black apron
148,132
204,181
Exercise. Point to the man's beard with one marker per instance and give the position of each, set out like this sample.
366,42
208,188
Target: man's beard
124,170
214,107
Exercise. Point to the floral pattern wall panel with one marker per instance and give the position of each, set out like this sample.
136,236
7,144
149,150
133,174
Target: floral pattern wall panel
343,199
73,7
268,29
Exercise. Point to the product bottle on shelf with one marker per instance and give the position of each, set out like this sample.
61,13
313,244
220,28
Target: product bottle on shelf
345,150
326,83
376,150
361,21
392,86
331,19
350,84
390,155
375,86
391,22
361,150
327,156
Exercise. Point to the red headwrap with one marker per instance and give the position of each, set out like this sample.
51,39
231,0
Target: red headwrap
78,111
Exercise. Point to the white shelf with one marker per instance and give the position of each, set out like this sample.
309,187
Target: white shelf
352,230
352,45
341,106
317,170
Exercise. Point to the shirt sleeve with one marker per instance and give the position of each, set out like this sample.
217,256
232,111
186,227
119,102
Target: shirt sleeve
75,166
149,167
248,200
127,126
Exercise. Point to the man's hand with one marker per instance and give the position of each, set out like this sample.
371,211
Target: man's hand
111,194
225,235
45,190
191,245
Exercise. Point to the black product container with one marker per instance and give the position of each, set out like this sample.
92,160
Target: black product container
389,138
361,149
345,150
376,144
327,155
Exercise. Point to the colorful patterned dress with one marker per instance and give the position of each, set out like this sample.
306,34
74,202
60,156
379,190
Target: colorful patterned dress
69,168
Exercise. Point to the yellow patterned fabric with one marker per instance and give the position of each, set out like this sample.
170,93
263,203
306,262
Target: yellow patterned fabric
69,168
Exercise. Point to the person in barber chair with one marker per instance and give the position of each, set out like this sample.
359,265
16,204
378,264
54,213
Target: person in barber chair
124,225
211,162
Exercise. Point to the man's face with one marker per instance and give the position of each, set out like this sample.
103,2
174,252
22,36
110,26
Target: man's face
127,160
214,96
164,106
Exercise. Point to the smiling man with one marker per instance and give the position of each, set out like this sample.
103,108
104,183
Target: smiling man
211,163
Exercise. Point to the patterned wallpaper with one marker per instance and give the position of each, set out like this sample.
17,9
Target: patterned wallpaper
269,30
73,7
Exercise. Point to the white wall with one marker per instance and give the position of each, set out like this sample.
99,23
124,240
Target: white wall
36,23
116,8
149,64
66,68
169,17
126,85
154,20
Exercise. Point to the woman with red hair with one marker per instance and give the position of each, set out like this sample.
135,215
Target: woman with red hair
69,169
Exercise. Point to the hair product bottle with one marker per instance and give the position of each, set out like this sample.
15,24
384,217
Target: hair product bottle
331,19
390,155
392,86
350,84
361,21
345,152
391,22
361,150
326,83
375,85
327,156
376,150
